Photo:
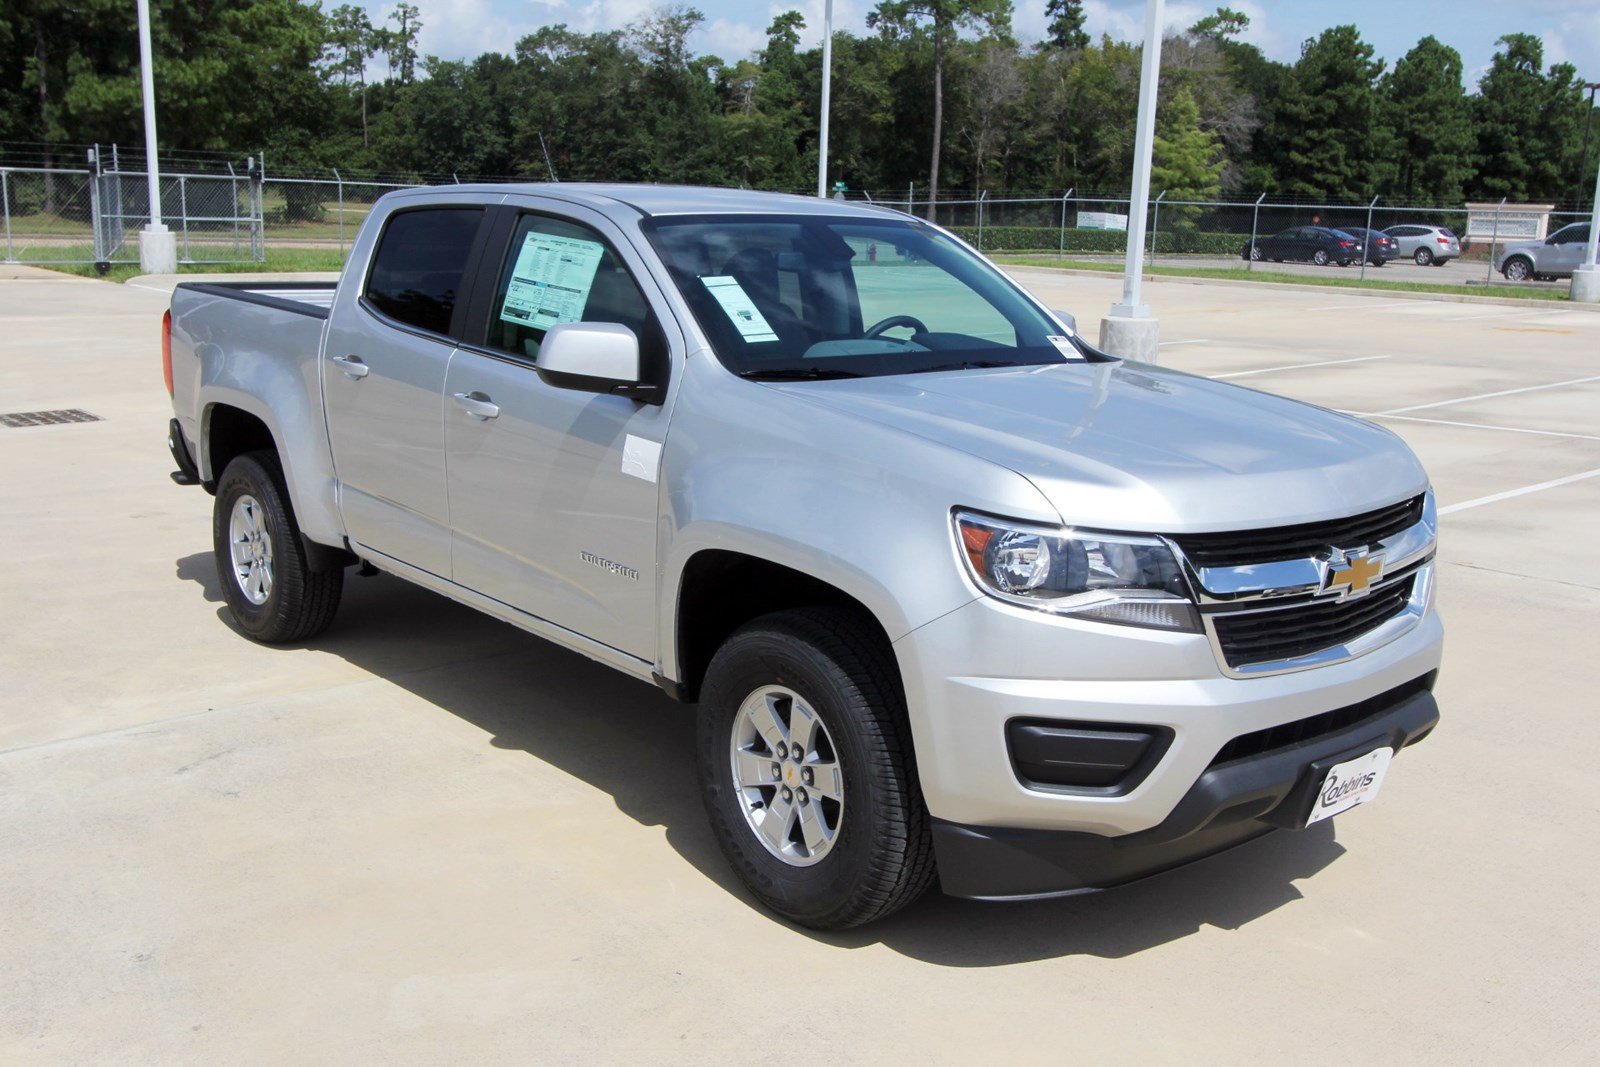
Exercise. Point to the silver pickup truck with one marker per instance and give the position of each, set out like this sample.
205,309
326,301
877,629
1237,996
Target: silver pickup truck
960,598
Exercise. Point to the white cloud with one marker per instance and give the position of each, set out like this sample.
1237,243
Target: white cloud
732,41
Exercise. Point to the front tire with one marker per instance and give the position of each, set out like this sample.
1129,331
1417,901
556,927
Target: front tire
1517,270
807,773
1320,257
273,594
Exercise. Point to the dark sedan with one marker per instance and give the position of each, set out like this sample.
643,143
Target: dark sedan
1314,244
1381,248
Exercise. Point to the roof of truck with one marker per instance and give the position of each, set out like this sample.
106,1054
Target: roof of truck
680,199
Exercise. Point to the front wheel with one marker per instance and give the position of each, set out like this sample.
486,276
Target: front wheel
807,773
1517,270
271,590
1320,257
1255,254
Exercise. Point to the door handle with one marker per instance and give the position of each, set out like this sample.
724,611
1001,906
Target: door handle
352,366
477,405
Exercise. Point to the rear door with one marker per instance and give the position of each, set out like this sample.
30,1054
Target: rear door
553,492
383,372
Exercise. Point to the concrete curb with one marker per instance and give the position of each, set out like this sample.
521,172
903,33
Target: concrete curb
1389,294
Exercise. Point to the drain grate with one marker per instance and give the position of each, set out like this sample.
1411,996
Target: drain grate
16,420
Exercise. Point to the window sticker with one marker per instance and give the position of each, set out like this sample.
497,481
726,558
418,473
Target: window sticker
1065,346
740,309
551,280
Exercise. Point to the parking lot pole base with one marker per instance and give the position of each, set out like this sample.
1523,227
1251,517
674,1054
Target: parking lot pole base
1131,336
1586,284
158,250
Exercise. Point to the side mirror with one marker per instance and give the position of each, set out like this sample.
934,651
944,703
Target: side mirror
594,357
1068,319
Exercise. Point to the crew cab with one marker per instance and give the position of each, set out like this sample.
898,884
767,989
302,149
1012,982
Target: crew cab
961,599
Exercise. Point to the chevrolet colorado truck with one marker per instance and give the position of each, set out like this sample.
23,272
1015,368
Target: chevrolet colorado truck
960,598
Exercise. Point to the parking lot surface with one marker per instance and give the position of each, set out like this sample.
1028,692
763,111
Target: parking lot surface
1466,273
430,838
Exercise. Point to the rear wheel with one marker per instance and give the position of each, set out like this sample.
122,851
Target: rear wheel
807,773
1423,257
270,589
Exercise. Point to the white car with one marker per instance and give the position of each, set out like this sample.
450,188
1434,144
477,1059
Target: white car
1424,244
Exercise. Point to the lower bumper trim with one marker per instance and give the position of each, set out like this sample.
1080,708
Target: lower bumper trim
1230,804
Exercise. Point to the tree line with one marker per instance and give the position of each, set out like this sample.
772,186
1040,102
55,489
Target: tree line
938,94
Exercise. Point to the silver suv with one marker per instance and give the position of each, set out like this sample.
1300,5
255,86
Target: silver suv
1557,256
1424,244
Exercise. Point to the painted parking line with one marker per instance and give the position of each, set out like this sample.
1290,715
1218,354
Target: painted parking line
1487,426
1487,396
1295,366
1495,498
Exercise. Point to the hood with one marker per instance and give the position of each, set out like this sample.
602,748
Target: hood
1136,447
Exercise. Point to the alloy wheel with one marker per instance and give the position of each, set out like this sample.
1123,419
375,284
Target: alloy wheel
786,775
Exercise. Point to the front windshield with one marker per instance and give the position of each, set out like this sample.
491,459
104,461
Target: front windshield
796,296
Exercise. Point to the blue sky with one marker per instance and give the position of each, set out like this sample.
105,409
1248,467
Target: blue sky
1571,28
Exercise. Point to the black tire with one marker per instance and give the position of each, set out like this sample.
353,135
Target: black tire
1320,257
300,602
1423,257
881,858
1517,269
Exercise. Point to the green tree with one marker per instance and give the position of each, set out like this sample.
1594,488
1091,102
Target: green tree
400,43
1187,161
1431,117
1329,124
351,42
1222,25
1529,124
904,19
1065,30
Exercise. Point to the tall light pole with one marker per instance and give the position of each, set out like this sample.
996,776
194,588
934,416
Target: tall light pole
827,98
1129,330
1586,276
158,246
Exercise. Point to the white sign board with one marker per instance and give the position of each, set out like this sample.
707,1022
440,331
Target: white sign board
551,280
1101,220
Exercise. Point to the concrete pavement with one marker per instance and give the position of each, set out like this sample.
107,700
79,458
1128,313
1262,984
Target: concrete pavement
430,838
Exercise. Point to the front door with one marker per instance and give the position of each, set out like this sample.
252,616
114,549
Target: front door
383,375
553,492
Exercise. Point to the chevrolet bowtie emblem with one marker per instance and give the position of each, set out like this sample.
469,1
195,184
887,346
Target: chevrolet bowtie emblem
1351,574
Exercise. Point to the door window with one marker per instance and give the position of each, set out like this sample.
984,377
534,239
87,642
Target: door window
1577,233
560,271
416,271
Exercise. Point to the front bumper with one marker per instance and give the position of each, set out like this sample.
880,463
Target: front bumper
1231,803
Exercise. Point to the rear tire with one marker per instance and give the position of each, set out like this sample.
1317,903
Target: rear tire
1423,257
822,679
271,591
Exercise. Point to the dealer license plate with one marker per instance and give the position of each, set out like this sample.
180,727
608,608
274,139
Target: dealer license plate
1350,783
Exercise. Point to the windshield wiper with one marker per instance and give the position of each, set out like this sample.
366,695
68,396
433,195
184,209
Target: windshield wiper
797,374
967,364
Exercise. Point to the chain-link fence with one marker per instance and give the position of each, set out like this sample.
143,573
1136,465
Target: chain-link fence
54,215
93,215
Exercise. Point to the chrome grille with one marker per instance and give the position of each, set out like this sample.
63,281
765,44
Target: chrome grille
1239,548
1290,631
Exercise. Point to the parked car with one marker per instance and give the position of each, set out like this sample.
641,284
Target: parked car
1316,244
961,599
1380,246
1557,256
1424,244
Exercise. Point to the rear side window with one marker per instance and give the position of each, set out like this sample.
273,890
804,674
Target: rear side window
416,272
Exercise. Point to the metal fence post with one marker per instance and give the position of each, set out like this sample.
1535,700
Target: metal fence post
340,180
5,206
1061,249
1155,227
233,188
1255,219
1366,249
183,209
911,198
1494,239
981,197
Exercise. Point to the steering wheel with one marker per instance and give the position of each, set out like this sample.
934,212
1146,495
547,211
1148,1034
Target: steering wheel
877,329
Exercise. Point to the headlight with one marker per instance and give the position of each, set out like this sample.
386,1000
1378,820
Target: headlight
1118,578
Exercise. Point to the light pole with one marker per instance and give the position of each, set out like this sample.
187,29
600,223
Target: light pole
827,98
1129,330
158,246
1586,276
